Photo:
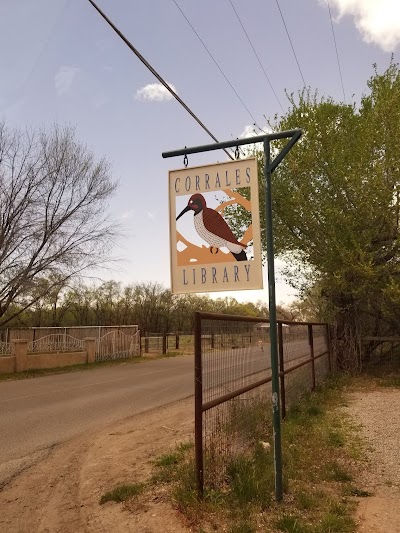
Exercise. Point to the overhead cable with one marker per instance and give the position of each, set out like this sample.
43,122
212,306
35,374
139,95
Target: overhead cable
156,74
337,53
291,44
255,53
215,61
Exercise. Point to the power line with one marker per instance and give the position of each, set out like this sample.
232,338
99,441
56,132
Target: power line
291,44
156,74
215,61
337,53
258,59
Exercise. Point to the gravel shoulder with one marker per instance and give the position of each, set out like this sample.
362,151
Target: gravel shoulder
377,413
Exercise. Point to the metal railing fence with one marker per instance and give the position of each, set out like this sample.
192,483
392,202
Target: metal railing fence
112,342
233,403
5,348
56,343
79,332
117,345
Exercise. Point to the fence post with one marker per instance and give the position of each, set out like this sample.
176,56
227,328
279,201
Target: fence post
20,351
212,340
311,343
90,346
329,343
164,343
198,406
176,341
281,370
146,345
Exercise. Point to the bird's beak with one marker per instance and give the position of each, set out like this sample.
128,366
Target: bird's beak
187,208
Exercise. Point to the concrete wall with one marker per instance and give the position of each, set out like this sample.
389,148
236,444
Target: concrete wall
54,360
22,360
7,364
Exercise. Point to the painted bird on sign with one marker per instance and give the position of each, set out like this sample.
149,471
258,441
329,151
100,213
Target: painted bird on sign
212,228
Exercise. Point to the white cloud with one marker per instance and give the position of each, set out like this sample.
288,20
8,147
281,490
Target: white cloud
64,79
154,92
253,131
249,131
378,21
127,214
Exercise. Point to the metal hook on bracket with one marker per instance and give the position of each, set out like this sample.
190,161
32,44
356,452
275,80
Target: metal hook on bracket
237,153
185,160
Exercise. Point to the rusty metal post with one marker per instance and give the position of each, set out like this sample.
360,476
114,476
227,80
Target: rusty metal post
176,341
212,340
164,343
311,343
329,343
146,345
281,370
198,406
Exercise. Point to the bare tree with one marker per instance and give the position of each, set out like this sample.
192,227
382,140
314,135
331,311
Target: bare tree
53,198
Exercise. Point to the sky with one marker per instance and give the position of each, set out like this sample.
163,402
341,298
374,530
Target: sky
61,63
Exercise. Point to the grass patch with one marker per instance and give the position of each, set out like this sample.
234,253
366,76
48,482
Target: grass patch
335,472
317,456
292,524
336,439
390,381
122,493
168,467
251,479
242,527
309,500
360,493
319,450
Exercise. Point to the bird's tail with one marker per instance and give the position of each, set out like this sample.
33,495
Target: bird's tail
241,256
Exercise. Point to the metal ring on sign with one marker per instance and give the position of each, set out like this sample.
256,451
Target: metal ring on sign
237,153
185,160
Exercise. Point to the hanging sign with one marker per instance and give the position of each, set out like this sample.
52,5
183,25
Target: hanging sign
215,228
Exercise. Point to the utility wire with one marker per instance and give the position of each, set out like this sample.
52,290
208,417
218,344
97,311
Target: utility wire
215,61
337,53
255,53
291,44
156,74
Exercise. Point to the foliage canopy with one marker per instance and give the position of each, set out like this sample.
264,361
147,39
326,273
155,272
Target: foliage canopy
336,204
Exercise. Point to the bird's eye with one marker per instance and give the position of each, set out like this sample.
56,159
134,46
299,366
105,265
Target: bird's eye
191,201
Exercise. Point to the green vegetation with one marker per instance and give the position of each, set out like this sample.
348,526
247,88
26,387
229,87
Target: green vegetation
168,465
319,449
336,201
122,493
322,456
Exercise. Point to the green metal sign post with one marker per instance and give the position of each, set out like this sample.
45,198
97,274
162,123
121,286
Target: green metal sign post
269,167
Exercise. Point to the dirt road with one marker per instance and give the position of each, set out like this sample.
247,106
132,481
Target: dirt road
378,414
38,414
60,494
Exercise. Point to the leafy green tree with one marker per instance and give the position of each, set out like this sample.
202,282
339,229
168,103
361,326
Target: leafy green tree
336,207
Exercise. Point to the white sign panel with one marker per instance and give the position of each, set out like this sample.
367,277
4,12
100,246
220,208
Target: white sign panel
215,227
